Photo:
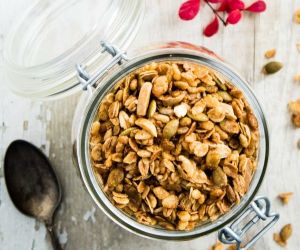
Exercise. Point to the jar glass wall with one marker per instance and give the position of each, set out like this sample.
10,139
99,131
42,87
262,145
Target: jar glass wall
176,51
45,43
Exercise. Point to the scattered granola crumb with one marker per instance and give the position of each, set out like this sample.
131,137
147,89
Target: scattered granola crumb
278,240
232,247
217,246
297,16
285,197
298,46
270,53
284,234
297,78
294,107
296,120
298,144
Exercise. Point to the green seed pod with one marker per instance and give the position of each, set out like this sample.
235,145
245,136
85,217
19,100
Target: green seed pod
272,67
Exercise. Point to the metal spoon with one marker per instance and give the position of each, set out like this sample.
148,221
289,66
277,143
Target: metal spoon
32,184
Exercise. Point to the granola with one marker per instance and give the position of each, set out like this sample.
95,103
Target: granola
174,144
270,53
285,197
297,16
284,234
217,246
294,108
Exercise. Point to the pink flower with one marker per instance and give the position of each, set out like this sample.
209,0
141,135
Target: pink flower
234,16
212,28
189,9
258,6
232,9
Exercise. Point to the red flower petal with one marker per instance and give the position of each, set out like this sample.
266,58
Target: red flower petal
189,9
223,6
235,5
216,1
212,28
234,17
258,6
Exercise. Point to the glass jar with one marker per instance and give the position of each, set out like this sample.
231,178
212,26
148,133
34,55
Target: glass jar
229,226
50,37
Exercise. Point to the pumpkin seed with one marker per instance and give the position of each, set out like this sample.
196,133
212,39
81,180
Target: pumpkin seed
170,129
151,108
272,67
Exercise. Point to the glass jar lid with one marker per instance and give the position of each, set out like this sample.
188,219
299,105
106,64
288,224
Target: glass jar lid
45,43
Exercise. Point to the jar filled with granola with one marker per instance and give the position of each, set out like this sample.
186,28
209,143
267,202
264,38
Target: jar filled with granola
170,142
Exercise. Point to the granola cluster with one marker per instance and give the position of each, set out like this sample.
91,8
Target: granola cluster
174,144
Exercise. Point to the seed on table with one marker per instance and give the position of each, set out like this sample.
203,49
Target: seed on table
297,16
272,67
270,53
285,197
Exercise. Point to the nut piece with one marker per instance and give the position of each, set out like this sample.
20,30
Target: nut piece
217,246
160,86
180,110
233,247
284,234
297,16
296,120
297,78
278,240
285,197
270,53
294,106
144,98
147,125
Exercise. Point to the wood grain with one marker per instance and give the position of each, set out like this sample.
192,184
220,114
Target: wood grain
48,125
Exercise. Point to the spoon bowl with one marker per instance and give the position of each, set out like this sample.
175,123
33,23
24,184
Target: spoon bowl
32,183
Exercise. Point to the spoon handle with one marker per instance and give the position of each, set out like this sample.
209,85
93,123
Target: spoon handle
54,240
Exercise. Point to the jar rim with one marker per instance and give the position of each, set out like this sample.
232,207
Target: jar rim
118,216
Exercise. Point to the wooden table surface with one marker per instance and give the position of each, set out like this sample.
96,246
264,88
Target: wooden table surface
48,124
